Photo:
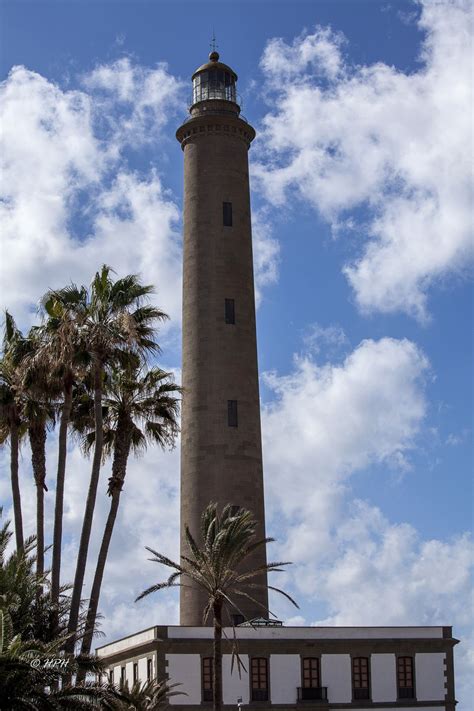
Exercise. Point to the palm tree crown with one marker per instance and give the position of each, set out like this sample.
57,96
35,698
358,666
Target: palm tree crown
218,568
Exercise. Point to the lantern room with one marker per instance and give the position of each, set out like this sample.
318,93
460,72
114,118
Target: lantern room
214,80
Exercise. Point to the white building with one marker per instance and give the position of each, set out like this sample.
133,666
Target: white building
296,667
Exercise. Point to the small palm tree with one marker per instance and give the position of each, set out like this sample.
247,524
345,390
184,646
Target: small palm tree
219,569
25,643
114,323
140,408
148,696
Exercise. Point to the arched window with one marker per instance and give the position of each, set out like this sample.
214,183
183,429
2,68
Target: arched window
259,678
360,678
311,673
405,678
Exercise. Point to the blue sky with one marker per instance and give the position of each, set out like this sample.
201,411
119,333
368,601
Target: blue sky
360,193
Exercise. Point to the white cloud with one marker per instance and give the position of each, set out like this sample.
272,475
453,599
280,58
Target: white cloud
341,418
395,143
318,337
63,174
266,253
386,574
146,97
320,52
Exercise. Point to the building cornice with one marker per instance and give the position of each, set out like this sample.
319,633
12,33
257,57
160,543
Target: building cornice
215,124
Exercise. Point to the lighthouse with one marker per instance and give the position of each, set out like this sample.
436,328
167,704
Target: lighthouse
221,450
221,461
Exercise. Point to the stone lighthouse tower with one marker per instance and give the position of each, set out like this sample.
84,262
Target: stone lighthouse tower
221,453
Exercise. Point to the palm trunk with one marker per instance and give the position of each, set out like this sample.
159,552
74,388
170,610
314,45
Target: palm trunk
119,468
217,686
14,444
59,503
37,436
89,511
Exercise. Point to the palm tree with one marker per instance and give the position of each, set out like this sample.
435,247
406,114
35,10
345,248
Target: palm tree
11,427
38,390
218,568
11,416
39,415
141,407
27,406
113,323
25,635
60,353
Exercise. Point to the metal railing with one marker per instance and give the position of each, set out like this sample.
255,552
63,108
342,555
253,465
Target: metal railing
259,695
313,693
361,694
216,113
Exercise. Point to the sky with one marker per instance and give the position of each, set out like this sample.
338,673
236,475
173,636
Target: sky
361,196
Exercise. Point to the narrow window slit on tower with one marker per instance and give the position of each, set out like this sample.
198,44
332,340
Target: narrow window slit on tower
232,416
227,214
229,311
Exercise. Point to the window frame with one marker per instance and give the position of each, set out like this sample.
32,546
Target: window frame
400,697
149,668
135,672
227,214
123,675
232,413
360,697
229,311
264,691
207,680
318,672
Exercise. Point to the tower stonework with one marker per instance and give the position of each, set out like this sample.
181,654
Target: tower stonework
221,453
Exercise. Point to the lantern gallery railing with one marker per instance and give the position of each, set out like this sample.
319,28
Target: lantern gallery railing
219,112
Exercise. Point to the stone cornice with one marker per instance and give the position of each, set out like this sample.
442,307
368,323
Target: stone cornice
215,125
